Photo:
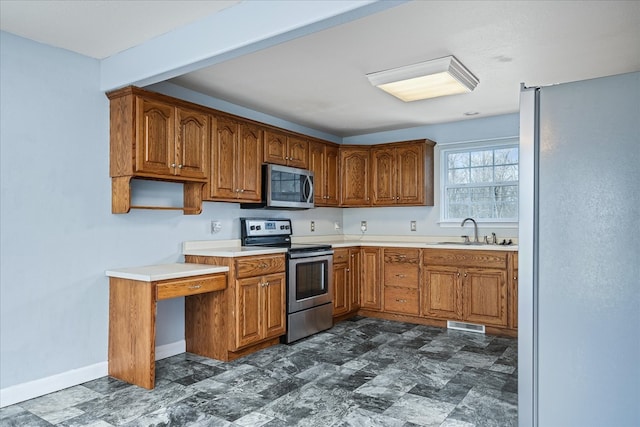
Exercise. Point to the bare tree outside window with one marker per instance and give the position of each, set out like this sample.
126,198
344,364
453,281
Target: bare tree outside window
481,183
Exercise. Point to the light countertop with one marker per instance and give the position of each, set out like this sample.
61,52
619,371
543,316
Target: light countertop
232,248
152,273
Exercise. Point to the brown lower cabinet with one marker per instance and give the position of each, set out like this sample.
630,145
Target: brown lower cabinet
431,286
346,282
401,275
250,314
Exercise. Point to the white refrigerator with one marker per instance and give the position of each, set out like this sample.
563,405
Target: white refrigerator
579,263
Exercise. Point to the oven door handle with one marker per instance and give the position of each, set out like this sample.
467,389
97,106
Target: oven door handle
297,255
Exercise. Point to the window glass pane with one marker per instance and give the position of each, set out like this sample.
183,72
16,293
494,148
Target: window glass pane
459,176
457,160
506,173
482,174
482,158
506,156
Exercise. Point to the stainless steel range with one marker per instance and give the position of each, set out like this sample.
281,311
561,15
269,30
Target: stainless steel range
309,279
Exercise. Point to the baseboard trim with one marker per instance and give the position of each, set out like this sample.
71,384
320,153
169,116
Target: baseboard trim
36,388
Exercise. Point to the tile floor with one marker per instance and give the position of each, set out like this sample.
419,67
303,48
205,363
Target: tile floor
362,372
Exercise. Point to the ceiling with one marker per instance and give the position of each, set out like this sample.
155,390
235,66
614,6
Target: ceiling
319,80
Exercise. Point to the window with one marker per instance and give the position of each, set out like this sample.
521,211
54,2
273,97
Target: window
480,182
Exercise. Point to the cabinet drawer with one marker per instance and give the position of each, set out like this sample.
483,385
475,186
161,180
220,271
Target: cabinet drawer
401,275
465,258
401,256
340,255
190,286
257,266
401,300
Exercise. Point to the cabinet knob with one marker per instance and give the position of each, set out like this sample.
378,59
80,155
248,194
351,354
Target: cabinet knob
242,191
173,165
397,197
265,284
179,166
515,278
465,274
348,270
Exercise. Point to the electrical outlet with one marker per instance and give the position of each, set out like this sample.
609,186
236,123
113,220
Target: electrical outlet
313,226
216,226
336,225
414,226
363,226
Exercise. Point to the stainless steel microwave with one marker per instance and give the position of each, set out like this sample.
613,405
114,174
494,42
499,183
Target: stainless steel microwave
284,187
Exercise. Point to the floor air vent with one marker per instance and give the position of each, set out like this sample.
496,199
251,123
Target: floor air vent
469,327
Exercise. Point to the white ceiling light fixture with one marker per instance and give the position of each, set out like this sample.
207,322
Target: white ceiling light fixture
430,79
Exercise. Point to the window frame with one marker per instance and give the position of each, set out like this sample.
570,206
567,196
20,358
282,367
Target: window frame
493,144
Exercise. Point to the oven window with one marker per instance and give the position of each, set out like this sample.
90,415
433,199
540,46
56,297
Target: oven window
311,279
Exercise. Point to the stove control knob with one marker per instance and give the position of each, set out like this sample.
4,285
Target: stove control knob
282,227
253,227
258,227
286,227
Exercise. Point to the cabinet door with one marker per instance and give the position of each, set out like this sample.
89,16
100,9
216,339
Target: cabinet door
155,137
370,279
383,179
332,176
442,294
298,152
275,148
248,311
354,167
410,175
317,166
222,183
249,162
340,288
192,142
274,317
485,296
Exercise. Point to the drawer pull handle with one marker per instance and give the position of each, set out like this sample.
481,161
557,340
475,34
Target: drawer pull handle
402,256
263,265
400,300
195,286
400,275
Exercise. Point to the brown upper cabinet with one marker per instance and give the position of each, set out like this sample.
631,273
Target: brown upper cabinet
154,138
281,148
354,172
324,162
402,173
236,159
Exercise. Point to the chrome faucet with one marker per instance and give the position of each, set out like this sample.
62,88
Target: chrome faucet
475,228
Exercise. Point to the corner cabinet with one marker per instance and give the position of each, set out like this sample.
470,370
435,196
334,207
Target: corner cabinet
402,173
346,282
325,164
153,137
236,159
354,170
250,314
370,285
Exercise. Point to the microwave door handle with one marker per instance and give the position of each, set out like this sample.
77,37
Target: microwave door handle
308,194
